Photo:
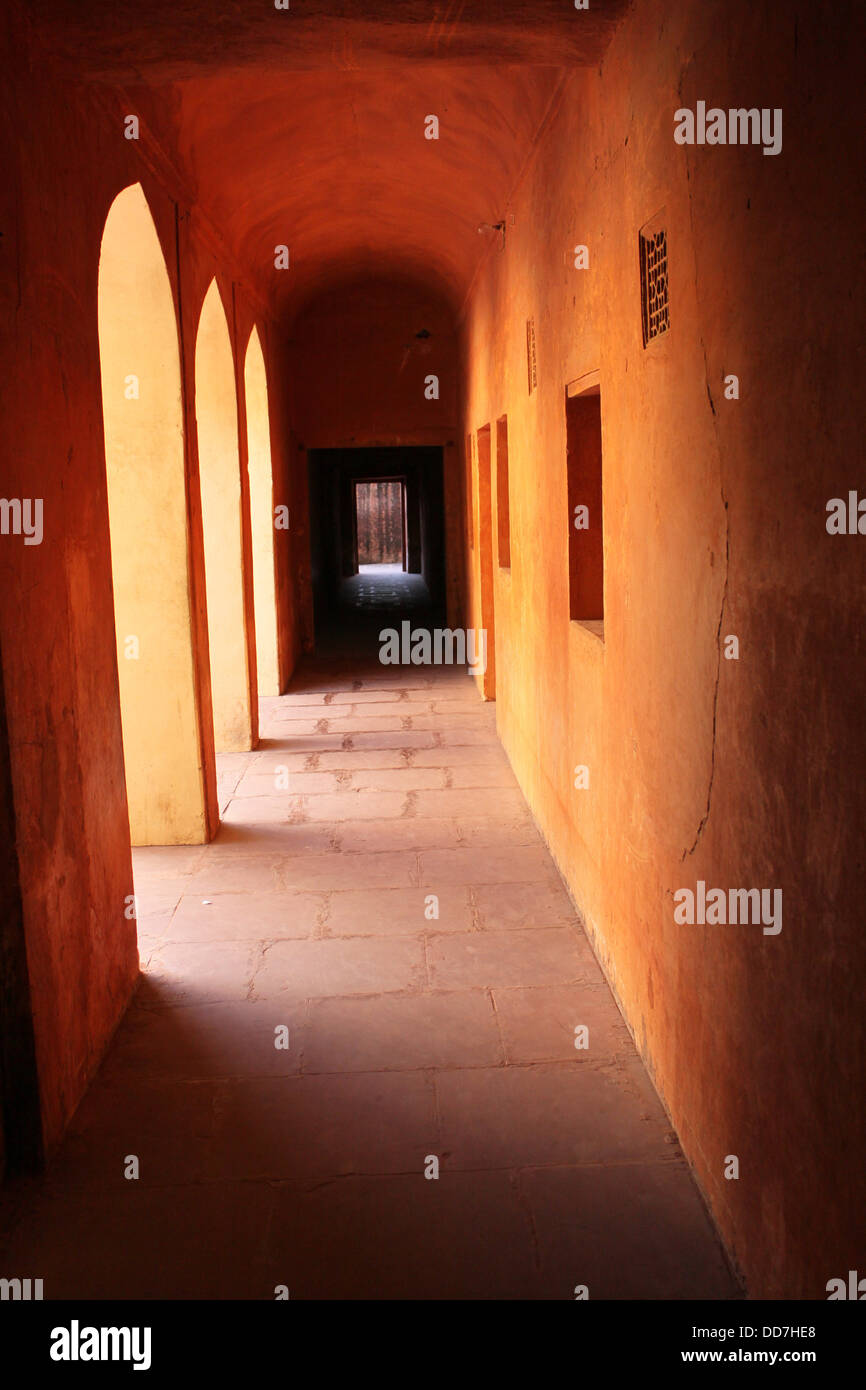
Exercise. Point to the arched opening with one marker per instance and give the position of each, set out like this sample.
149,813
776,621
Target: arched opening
261,517
148,520
232,680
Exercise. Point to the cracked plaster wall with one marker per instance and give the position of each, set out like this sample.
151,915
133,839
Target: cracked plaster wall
734,772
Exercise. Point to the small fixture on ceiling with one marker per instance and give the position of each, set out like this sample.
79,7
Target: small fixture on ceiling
494,227
423,333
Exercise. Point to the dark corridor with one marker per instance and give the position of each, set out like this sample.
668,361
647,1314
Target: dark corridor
353,594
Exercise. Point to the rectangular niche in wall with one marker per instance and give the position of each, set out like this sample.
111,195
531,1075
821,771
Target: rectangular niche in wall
654,296
503,518
486,560
585,517
469,476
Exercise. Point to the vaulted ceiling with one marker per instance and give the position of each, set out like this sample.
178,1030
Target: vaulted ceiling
305,127
336,167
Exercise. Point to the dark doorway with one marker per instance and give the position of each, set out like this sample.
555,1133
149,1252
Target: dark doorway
377,539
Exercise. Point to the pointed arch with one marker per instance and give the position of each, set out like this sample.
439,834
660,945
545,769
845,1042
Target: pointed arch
262,516
148,523
229,621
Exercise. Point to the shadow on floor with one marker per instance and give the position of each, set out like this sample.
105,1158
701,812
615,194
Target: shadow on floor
373,970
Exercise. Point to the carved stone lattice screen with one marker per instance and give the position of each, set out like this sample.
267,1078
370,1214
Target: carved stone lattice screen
531,368
654,283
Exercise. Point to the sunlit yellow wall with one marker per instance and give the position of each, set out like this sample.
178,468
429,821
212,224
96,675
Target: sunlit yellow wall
219,466
144,453
262,514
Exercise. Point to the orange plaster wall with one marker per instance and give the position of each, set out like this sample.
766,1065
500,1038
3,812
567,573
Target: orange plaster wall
714,517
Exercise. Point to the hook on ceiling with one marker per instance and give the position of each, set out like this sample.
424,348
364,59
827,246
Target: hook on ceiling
494,227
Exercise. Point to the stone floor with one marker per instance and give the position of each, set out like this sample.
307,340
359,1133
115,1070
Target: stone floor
377,795
384,586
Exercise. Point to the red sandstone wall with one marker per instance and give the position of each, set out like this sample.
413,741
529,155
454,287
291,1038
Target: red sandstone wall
714,515
65,159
